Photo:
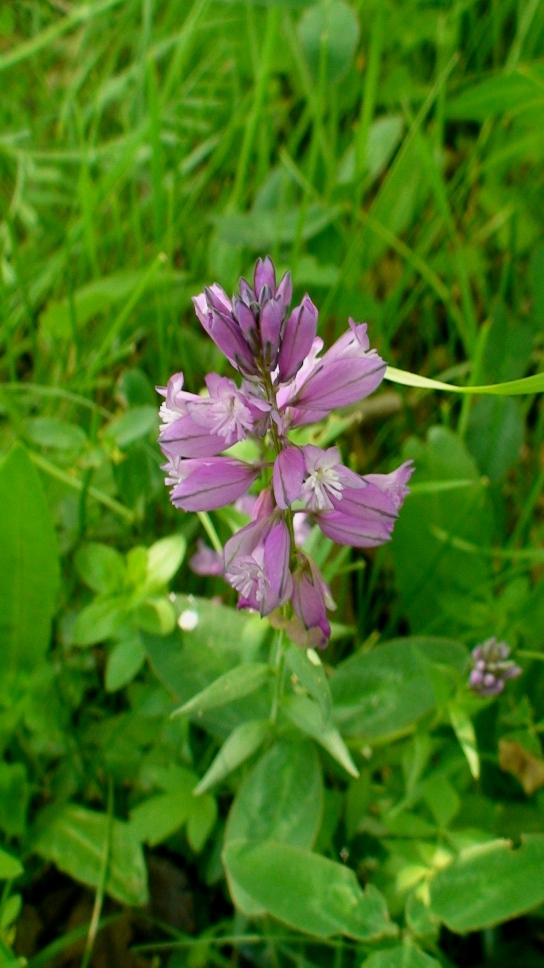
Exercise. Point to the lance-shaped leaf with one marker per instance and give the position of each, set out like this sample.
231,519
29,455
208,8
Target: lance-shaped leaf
30,565
306,716
308,668
464,730
234,684
306,891
241,744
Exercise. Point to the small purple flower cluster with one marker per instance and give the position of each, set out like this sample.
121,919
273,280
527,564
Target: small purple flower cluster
285,384
491,667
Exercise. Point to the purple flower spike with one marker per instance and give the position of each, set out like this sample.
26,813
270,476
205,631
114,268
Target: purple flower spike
310,599
285,384
208,484
347,373
492,667
289,472
257,564
298,337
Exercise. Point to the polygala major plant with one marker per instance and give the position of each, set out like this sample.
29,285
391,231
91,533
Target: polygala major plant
286,383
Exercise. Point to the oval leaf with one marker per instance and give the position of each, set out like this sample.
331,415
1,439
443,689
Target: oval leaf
490,884
75,839
282,798
10,867
308,892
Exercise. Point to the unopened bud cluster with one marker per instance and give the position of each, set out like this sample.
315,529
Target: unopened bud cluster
492,667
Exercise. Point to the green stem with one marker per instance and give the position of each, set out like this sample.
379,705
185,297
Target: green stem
207,524
101,889
277,666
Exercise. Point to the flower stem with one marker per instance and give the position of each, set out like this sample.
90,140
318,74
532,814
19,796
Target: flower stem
207,524
277,666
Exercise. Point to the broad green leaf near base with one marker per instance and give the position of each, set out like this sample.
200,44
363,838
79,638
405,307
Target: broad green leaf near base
282,798
75,839
401,956
306,891
383,692
490,884
433,576
30,565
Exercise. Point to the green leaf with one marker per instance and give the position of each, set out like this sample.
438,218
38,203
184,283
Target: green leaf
282,798
156,615
464,730
309,670
132,425
434,576
495,435
384,135
259,230
305,714
213,640
420,920
406,955
529,384
489,884
124,662
30,564
383,692
240,681
101,568
242,743
157,818
496,95
90,300
14,797
99,621
306,891
329,30
10,867
163,560
201,822
75,838
56,434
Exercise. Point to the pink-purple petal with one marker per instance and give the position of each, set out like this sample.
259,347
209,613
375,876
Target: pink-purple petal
298,337
288,475
212,483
